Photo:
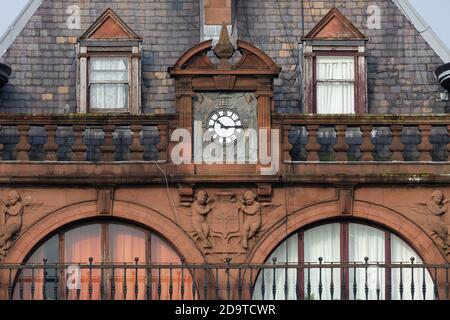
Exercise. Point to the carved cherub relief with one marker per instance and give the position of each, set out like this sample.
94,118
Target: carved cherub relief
436,211
252,211
252,217
11,215
11,220
200,209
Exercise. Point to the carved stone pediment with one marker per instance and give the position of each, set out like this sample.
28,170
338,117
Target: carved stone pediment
334,25
242,75
109,26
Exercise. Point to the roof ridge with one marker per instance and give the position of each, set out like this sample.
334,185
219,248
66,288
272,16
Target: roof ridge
9,36
424,29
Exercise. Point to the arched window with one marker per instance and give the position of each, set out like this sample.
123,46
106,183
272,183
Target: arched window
111,245
344,244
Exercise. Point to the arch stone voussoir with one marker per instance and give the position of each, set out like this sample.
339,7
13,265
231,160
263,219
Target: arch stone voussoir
132,213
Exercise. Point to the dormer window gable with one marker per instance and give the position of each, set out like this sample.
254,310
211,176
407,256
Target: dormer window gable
335,76
109,78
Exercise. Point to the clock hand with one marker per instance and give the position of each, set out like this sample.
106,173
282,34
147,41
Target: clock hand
228,127
222,125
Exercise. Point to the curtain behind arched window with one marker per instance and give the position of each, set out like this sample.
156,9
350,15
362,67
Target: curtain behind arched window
346,243
112,244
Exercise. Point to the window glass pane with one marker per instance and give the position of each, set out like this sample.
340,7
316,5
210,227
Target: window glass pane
109,83
335,68
126,244
322,242
286,252
81,244
109,96
163,253
50,251
365,241
109,69
335,86
401,252
335,98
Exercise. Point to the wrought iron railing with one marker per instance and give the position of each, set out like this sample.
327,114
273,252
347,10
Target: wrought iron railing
226,281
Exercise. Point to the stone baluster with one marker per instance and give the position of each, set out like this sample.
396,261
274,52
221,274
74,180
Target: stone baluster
367,146
136,148
23,147
425,147
51,147
79,148
287,146
312,146
163,141
341,147
108,147
397,146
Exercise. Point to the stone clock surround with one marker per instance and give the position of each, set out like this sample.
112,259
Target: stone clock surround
196,74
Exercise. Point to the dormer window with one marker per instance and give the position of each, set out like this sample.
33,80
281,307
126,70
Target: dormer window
335,78
109,83
335,84
109,67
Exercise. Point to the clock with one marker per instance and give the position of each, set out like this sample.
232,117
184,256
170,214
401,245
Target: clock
225,126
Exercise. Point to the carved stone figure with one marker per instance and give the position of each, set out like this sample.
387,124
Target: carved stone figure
200,209
11,215
436,210
252,217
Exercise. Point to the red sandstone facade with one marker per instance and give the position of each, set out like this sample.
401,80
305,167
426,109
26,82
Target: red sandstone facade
397,196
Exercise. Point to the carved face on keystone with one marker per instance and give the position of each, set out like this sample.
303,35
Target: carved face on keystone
202,197
437,197
249,198
13,197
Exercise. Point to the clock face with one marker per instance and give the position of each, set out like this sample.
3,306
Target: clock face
225,126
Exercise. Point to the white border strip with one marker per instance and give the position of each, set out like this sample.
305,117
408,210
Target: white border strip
424,29
19,23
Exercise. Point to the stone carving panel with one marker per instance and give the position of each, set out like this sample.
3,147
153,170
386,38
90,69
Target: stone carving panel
436,211
12,212
227,223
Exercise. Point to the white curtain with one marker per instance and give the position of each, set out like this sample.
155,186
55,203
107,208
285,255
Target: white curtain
335,85
401,252
286,252
126,244
80,244
365,241
109,83
323,242
163,253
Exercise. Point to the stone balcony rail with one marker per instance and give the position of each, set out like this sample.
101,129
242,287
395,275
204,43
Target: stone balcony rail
114,149
368,138
92,138
304,138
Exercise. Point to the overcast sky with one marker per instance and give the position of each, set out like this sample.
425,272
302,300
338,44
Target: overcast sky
435,12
